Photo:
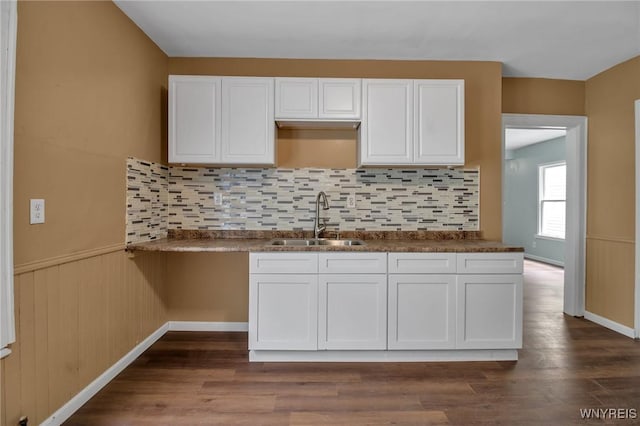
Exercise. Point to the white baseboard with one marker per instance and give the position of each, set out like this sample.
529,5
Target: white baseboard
385,356
543,260
64,412
612,325
207,326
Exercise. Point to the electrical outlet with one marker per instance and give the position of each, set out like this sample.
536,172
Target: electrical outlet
351,201
36,212
533,244
217,199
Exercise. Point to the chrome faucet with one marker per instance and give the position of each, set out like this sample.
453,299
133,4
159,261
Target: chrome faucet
317,226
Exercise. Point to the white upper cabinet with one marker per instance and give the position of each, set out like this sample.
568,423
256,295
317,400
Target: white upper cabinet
221,120
318,99
248,127
296,98
194,119
339,98
416,122
386,136
439,122
231,120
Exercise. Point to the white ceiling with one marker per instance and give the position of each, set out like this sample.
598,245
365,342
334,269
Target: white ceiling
552,39
519,138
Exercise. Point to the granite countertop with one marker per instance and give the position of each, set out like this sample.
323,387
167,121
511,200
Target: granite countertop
376,241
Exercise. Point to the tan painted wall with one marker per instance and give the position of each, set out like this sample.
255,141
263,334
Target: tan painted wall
543,96
610,100
317,148
90,91
208,286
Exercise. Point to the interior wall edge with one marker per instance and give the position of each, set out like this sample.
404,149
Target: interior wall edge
610,239
66,258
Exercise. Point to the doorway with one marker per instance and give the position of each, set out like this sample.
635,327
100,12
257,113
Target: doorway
575,230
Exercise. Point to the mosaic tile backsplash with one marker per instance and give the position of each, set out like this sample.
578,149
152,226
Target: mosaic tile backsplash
284,199
147,209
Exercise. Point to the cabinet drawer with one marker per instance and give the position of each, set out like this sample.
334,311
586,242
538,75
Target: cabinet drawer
283,263
490,263
352,263
422,263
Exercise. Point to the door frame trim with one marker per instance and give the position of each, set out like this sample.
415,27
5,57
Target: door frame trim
575,241
637,244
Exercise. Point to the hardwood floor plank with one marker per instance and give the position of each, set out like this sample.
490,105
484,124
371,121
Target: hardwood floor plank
349,404
369,418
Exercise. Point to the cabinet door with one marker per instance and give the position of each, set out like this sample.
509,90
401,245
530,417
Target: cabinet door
339,98
296,98
489,312
352,311
194,119
386,136
283,312
422,311
248,126
439,122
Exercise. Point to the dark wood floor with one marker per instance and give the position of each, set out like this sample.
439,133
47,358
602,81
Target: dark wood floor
567,364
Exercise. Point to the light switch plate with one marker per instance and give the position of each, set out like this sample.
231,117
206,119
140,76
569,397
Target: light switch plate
217,199
36,212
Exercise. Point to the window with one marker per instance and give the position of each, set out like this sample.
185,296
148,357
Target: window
552,200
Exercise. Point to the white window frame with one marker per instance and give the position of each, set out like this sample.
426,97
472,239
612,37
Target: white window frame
8,35
541,169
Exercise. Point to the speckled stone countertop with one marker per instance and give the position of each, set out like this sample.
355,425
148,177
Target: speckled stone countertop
376,241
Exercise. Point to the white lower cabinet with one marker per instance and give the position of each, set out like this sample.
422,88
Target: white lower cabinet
352,311
422,311
283,311
382,306
489,311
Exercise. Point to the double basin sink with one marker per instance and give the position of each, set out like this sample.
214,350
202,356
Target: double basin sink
308,242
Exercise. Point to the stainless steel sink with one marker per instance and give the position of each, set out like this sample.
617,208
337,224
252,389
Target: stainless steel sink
306,242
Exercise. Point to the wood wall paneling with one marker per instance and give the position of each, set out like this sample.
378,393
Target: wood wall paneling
74,321
610,280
